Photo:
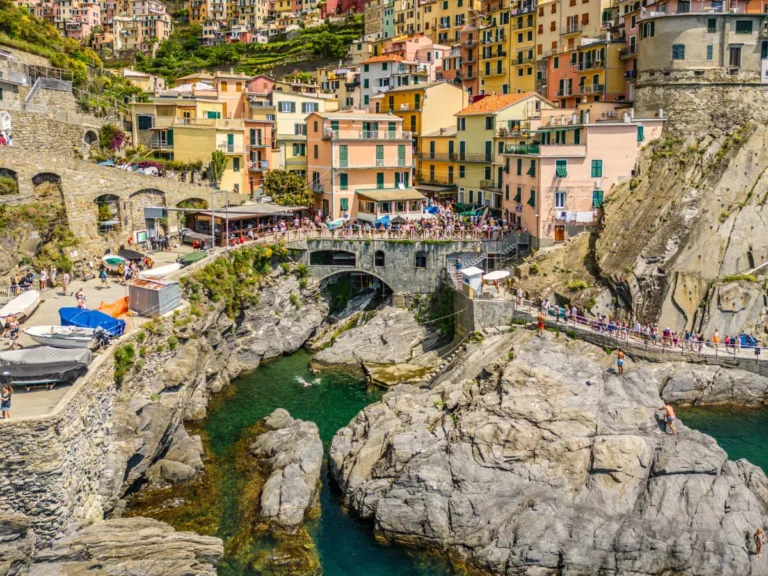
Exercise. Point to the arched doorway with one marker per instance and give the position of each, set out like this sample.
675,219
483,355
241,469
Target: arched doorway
145,198
189,204
47,187
9,182
91,137
108,213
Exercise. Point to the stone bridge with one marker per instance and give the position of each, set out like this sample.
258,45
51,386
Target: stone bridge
406,266
85,185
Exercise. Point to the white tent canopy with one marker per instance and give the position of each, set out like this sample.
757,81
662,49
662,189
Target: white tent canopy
496,275
472,271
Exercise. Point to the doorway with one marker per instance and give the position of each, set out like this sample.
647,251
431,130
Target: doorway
559,233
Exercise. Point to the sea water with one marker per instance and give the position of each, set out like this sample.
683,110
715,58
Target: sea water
345,546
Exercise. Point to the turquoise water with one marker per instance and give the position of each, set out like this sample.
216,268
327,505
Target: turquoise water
740,432
345,546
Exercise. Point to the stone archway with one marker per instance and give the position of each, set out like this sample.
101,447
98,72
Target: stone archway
91,137
108,213
47,187
181,218
9,182
141,199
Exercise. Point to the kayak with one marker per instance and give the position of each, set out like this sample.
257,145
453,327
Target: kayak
160,272
22,306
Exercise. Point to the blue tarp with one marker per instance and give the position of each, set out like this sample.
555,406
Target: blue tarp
107,163
383,221
431,210
747,341
84,318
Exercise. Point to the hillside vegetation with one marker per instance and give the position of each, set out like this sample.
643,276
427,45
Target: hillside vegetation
182,53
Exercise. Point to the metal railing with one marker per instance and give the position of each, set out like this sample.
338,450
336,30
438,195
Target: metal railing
231,148
490,185
571,29
628,51
592,89
523,149
317,187
258,165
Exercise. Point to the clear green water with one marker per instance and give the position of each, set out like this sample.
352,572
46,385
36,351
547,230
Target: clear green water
741,432
345,546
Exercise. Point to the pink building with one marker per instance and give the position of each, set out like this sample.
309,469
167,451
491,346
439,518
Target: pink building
408,48
85,17
360,166
555,184
260,84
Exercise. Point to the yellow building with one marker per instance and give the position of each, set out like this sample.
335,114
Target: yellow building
522,48
483,129
436,167
494,50
189,128
424,108
372,20
407,18
199,11
442,20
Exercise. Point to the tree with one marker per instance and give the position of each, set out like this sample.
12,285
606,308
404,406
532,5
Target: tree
329,45
287,188
217,166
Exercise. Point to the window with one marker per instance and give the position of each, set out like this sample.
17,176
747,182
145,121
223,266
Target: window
648,30
519,195
236,164
597,198
633,21
238,86
519,166
711,24
299,149
640,133
462,171
471,196
224,86
462,124
561,168
554,8
489,122
145,122
487,174
552,26
365,67
709,52
506,192
309,107
421,260
380,180
734,56
678,51
384,66
300,129
559,199
343,181
379,258
314,127
597,167
532,198
288,107
532,169
743,26
556,62
315,152
344,204
366,83
366,100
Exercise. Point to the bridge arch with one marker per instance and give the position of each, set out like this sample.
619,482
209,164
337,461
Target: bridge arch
9,182
43,177
357,279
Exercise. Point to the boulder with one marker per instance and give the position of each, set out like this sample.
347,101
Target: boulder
683,383
549,463
130,546
17,543
292,452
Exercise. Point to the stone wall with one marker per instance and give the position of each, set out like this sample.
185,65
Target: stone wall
399,271
50,465
62,133
26,57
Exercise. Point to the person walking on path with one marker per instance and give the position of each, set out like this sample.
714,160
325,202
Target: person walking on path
5,402
620,362
65,279
103,277
80,296
759,538
669,416
716,338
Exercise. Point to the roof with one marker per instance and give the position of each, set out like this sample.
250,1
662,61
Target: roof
471,271
388,195
151,284
447,132
436,189
386,58
425,86
495,103
197,86
253,210
358,115
201,76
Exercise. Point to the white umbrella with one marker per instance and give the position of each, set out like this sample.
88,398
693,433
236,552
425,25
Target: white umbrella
496,275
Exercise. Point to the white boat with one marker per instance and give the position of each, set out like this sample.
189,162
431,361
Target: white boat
22,306
161,271
62,336
112,261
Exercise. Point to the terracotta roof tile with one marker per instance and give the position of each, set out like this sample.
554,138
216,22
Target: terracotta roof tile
495,102
388,58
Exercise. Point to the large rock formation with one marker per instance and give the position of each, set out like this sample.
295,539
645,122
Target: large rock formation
682,383
549,463
17,544
293,453
130,546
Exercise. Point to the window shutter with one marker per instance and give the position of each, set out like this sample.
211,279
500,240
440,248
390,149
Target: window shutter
597,198
379,180
343,181
640,133
170,138
293,107
532,199
345,204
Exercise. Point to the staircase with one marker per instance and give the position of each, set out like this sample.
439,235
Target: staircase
503,248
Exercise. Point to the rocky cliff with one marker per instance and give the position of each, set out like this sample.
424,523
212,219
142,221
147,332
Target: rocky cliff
550,463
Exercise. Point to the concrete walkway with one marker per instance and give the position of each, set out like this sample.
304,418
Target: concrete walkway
39,401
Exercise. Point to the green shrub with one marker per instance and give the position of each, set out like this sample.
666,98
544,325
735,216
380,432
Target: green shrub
577,285
154,397
173,342
195,311
303,283
571,334
286,267
8,186
143,352
141,337
125,356
518,322
724,215
741,277
295,300
301,271
534,268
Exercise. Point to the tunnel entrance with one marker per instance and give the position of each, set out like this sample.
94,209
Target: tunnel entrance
332,258
360,289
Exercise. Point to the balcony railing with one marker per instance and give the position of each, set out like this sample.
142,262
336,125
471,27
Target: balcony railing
231,148
523,149
388,163
490,185
628,51
317,187
563,93
519,61
378,163
427,178
571,29
329,134
492,39
258,165
591,65
592,89
156,144
494,72
259,144
465,157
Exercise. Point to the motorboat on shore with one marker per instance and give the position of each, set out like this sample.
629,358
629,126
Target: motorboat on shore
22,306
84,318
112,262
43,366
65,336
161,271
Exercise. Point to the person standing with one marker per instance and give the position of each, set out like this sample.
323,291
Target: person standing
80,296
65,279
620,362
5,402
759,538
103,277
540,319
43,279
53,274
716,338
669,416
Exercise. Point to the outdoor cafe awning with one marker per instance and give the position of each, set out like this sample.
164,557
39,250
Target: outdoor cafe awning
391,195
436,189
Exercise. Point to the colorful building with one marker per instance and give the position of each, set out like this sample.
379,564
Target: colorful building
360,166
436,168
559,177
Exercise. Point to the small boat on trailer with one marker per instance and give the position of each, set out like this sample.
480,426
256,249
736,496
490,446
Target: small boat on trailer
43,366
22,306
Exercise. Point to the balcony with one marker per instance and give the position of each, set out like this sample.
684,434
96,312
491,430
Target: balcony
329,134
381,163
630,74
427,178
231,148
532,149
591,65
490,185
494,72
317,187
521,61
563,93
259,144
465,157
592,89
628,51
158,144
258,166
571,29
493,39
